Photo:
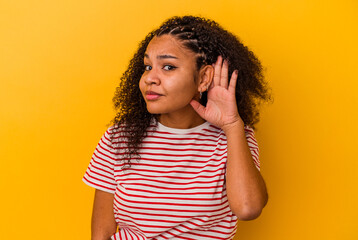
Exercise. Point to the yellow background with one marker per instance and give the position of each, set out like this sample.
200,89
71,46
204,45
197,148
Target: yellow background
60,62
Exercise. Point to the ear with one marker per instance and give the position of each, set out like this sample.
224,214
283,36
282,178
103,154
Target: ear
206,75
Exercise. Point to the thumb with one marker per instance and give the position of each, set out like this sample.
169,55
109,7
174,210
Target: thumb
200,109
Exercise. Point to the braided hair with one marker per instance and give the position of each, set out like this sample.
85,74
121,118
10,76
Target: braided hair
207,39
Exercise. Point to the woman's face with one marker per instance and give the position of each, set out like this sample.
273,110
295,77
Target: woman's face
169,82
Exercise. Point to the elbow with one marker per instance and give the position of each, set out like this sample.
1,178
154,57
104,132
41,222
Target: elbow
248,214
251,211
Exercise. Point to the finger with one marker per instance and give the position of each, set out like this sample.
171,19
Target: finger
224,74
200,109
233,81
217,71
212,81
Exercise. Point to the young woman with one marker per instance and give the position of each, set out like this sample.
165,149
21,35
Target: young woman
180,160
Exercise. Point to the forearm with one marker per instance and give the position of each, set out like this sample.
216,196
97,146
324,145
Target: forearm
103,222
246,189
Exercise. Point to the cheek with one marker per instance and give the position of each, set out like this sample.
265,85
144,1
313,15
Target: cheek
183,85
184,92
141,85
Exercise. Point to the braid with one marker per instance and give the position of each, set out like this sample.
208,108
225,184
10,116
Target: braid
193,37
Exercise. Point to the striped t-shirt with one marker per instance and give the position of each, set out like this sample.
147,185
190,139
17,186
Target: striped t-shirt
176,190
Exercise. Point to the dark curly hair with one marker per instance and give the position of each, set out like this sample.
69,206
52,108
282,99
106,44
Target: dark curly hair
208,40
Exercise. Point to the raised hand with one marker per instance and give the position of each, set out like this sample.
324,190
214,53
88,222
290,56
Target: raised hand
221,108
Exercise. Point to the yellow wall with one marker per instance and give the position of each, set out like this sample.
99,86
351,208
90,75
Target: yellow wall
60,62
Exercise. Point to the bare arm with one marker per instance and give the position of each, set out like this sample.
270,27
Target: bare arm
246,189
103,223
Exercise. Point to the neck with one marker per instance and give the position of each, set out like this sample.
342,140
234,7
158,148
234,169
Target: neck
182,121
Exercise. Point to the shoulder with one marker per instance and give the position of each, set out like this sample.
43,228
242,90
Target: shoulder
249,131
117,129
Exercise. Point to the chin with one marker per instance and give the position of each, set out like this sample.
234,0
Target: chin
153,110
165,108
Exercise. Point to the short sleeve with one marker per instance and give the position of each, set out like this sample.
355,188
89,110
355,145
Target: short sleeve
254,148
100,172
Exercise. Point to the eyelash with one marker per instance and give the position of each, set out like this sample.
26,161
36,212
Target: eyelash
172,67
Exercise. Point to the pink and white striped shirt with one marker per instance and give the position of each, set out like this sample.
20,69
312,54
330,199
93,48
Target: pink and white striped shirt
176,190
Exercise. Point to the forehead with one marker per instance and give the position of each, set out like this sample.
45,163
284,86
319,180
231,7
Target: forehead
167,44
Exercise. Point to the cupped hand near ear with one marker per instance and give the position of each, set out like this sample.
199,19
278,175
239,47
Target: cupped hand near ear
221,108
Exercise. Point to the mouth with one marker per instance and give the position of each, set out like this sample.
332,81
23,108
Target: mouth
150,95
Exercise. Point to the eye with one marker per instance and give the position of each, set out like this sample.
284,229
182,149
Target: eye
169,67
146,67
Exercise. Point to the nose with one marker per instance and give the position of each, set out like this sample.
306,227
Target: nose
152,77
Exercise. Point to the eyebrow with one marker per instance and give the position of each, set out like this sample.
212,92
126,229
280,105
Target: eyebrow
161,56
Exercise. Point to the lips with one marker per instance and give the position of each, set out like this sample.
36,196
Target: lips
150,95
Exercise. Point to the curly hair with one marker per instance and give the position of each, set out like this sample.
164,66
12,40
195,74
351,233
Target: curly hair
207,39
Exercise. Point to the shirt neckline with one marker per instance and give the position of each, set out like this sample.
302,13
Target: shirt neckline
198,128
